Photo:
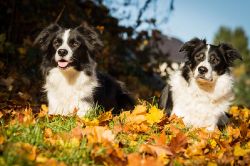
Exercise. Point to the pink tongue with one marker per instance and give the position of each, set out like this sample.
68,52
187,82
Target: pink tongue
63,64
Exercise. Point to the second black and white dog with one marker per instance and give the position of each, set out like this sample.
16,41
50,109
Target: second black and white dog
72,81
201,90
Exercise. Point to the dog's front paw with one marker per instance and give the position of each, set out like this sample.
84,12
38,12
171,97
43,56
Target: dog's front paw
83,109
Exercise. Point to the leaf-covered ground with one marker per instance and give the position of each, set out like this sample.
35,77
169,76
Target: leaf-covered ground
144,136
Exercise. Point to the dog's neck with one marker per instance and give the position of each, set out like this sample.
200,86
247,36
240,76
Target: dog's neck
205,85
70,75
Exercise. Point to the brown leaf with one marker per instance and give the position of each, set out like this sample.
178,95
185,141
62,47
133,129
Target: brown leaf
48,133
178,143
77,132
155,150
105,117
43,111
160,140
98,134
1,139
135,159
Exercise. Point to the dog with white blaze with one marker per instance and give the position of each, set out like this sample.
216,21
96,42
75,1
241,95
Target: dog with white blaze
200,91
72,81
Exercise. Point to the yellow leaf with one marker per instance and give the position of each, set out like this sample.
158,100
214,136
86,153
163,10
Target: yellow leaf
100,28
154,115
22,50
44,111
48,132
89,122
211,164
106,116
30,149
234,110
74,142
1,140
44,107
41,159
98,134
139,110
238,151
212,143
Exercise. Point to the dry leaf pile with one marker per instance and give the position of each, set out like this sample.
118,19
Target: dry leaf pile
144,136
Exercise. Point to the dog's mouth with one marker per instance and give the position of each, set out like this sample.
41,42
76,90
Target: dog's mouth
63,64
202,78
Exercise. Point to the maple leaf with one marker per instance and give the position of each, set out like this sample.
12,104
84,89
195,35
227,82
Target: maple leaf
27,150
155,150
140,110
43,111
48,132
178,143
154,116
1,139
77,132
89,122
238,151
105,117
135,159
161,140
212,143
98,134
1,114
196,148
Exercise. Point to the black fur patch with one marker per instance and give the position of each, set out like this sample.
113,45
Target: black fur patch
112,94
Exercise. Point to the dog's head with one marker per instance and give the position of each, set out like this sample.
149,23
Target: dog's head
66,48
207,61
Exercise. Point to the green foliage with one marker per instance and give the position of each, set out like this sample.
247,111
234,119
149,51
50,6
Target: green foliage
60,124
239,40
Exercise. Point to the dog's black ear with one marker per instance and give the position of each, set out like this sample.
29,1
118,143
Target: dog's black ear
230,54
46,35
190,45
90,36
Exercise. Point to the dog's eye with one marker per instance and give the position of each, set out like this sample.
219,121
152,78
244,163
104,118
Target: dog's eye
76,44
57,42
214,60
199,56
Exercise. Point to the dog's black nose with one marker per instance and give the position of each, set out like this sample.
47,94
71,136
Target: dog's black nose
62,52
202,70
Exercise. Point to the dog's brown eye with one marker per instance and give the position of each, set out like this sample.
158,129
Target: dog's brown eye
214,59
199,56
56,42
75,44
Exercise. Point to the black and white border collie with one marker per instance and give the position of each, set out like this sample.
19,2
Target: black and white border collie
200,91
72,81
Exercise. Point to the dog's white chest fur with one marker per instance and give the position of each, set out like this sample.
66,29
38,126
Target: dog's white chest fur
200,108
67,91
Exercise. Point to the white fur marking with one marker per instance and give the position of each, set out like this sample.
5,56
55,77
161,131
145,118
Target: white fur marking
65,46
66,89
205,63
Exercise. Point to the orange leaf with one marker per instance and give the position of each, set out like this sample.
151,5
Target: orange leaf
48,133
43,111
1,114
1,139
155,150
178,143
160,140
104,117
140,110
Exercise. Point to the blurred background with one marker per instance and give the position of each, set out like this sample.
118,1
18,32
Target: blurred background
141,38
